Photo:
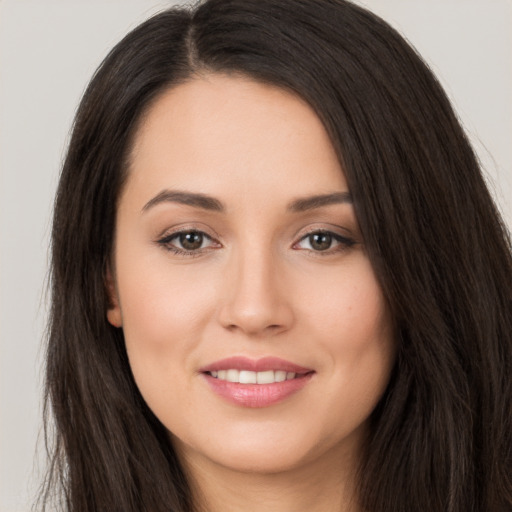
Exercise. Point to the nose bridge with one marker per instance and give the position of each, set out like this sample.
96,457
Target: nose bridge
254,300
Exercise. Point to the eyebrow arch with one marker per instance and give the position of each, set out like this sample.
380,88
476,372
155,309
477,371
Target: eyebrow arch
310,203
189,198
210,203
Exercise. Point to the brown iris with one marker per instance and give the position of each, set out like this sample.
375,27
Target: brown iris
320,241
191,240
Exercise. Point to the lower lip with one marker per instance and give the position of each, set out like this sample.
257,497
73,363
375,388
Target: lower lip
257,395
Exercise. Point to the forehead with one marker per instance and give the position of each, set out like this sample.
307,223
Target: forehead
218,131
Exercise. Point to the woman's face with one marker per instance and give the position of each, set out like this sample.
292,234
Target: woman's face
255,327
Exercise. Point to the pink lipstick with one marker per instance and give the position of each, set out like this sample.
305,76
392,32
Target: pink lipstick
255,383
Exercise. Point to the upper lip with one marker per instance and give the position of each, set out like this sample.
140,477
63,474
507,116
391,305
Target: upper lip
255,365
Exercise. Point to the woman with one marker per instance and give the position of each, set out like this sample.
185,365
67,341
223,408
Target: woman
279,281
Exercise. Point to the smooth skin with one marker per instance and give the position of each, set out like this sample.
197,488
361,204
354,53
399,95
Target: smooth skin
248,277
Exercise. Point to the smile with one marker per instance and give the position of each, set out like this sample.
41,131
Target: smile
255,383
249,377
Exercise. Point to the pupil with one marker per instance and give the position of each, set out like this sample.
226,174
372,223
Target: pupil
320,241
191,240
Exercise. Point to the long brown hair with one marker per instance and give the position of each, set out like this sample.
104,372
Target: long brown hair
441,437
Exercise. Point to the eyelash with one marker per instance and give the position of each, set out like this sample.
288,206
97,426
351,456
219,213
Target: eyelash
344,243
166,242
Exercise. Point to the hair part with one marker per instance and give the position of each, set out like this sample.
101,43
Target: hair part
440,436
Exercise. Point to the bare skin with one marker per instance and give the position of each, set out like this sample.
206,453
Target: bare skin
221,252
322,486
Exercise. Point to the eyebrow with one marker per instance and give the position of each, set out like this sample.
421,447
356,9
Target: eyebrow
189,198
310,203
206,202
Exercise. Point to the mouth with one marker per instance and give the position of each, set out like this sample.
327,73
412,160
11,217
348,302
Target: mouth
250,377
255,383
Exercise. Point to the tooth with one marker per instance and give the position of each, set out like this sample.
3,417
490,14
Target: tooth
280,375
265,377
247,377
233,376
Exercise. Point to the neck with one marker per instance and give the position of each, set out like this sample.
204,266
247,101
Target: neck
319,486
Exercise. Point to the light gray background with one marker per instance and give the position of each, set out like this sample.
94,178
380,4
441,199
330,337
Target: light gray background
48,51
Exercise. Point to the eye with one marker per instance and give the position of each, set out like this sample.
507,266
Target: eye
187,242
324,241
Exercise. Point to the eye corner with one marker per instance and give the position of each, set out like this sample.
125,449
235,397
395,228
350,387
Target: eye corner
167,241
340,242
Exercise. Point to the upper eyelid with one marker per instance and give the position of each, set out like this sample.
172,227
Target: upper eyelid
341,239
189,229
345,233
170,233
326,232
167,239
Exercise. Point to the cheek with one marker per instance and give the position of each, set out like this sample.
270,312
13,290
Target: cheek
351,323
159,299
348,309
164,312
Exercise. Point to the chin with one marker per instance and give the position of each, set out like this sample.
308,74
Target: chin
249,460
261,450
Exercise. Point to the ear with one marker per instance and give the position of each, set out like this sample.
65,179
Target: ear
114,310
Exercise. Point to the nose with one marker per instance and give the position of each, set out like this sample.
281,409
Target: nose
256,298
